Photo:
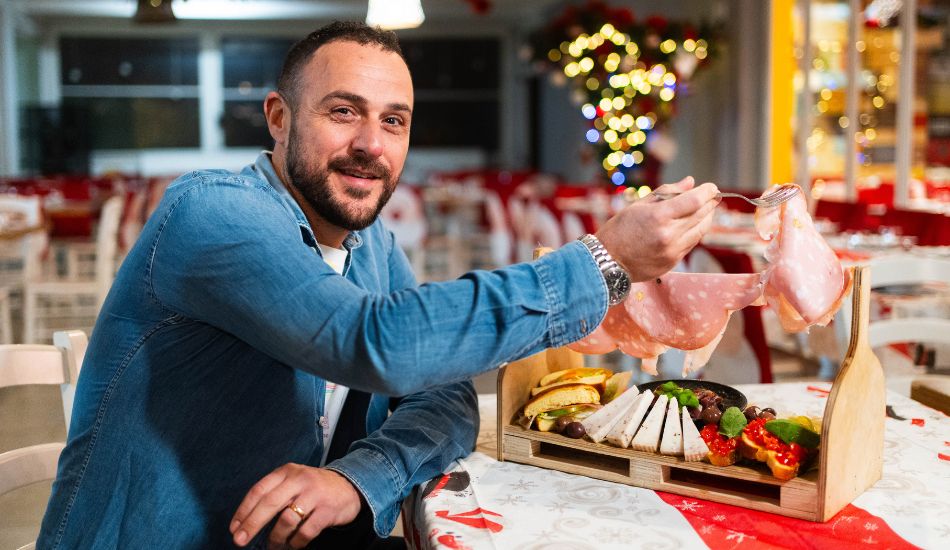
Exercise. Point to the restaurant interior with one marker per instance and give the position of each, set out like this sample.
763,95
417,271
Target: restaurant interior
534,122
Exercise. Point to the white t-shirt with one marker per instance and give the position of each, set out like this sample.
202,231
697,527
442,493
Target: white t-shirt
336,394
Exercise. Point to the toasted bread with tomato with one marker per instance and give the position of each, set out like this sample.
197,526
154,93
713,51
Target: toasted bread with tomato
722,450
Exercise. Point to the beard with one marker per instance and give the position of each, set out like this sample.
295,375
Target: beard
314,185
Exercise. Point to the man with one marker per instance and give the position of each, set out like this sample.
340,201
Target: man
248,294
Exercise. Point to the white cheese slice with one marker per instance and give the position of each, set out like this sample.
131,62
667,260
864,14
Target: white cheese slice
599,424
694,448
672,442
623,432
648,436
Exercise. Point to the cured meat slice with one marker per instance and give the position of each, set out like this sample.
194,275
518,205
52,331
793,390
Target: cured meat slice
687,311
804,282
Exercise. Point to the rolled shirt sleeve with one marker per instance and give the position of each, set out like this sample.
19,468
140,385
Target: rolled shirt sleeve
425,433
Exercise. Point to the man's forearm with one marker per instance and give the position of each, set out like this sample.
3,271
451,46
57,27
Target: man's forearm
426,432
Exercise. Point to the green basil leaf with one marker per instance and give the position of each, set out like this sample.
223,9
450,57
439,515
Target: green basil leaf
732,422
790,432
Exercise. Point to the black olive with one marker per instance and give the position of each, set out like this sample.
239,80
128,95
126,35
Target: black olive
766,414
711,415
562,422
695,412
751,413
769,410
574,430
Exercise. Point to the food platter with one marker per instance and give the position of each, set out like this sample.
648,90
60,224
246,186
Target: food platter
731,397
849,460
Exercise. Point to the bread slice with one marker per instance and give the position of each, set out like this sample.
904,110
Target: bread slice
672,441
572,376
781,471
599,424
648,436
723,460
624,430
560,397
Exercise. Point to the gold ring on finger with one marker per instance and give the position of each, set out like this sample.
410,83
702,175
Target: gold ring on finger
297,510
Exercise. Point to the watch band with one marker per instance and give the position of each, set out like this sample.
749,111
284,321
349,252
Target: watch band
601,256
616,279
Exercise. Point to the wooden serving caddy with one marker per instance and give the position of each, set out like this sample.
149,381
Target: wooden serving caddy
850,456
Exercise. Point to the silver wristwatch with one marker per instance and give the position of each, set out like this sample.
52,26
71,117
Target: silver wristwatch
618,283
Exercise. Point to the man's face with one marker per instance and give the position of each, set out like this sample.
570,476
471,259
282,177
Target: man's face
349,133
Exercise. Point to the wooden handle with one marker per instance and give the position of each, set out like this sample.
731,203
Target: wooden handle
852,431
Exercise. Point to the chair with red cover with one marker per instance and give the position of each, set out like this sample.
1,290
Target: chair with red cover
848,216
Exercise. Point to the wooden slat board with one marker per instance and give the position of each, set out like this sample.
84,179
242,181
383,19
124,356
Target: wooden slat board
850,428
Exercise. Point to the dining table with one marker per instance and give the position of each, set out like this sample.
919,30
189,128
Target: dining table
482,503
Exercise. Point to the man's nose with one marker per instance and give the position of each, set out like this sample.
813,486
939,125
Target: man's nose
369,140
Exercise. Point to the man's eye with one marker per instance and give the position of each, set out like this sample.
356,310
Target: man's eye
343,111
395,121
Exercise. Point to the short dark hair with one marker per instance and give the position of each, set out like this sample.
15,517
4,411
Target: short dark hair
350,31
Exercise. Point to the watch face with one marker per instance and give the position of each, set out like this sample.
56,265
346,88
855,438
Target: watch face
618,285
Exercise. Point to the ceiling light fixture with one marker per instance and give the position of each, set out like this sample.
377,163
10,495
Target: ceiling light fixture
154,11
395,14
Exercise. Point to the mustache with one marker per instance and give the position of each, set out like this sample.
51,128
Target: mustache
363,165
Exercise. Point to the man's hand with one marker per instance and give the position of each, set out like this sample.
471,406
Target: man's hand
323,496
649,237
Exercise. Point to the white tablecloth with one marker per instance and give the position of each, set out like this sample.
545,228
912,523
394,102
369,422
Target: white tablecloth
483,503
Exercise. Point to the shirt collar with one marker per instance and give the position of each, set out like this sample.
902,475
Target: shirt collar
265,168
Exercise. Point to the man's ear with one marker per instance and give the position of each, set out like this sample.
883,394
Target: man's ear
277,113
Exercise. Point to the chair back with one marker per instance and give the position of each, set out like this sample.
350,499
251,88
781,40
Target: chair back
848,216
909,270
21,261
903,270
39,364
28,465
29,364
107,244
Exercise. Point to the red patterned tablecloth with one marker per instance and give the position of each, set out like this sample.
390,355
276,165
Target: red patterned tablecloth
485,504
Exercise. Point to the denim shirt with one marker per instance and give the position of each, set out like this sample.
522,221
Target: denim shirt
207,366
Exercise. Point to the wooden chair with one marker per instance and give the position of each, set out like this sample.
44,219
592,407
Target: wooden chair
21,257
404,215
848,216
905,270
39,364
75,302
